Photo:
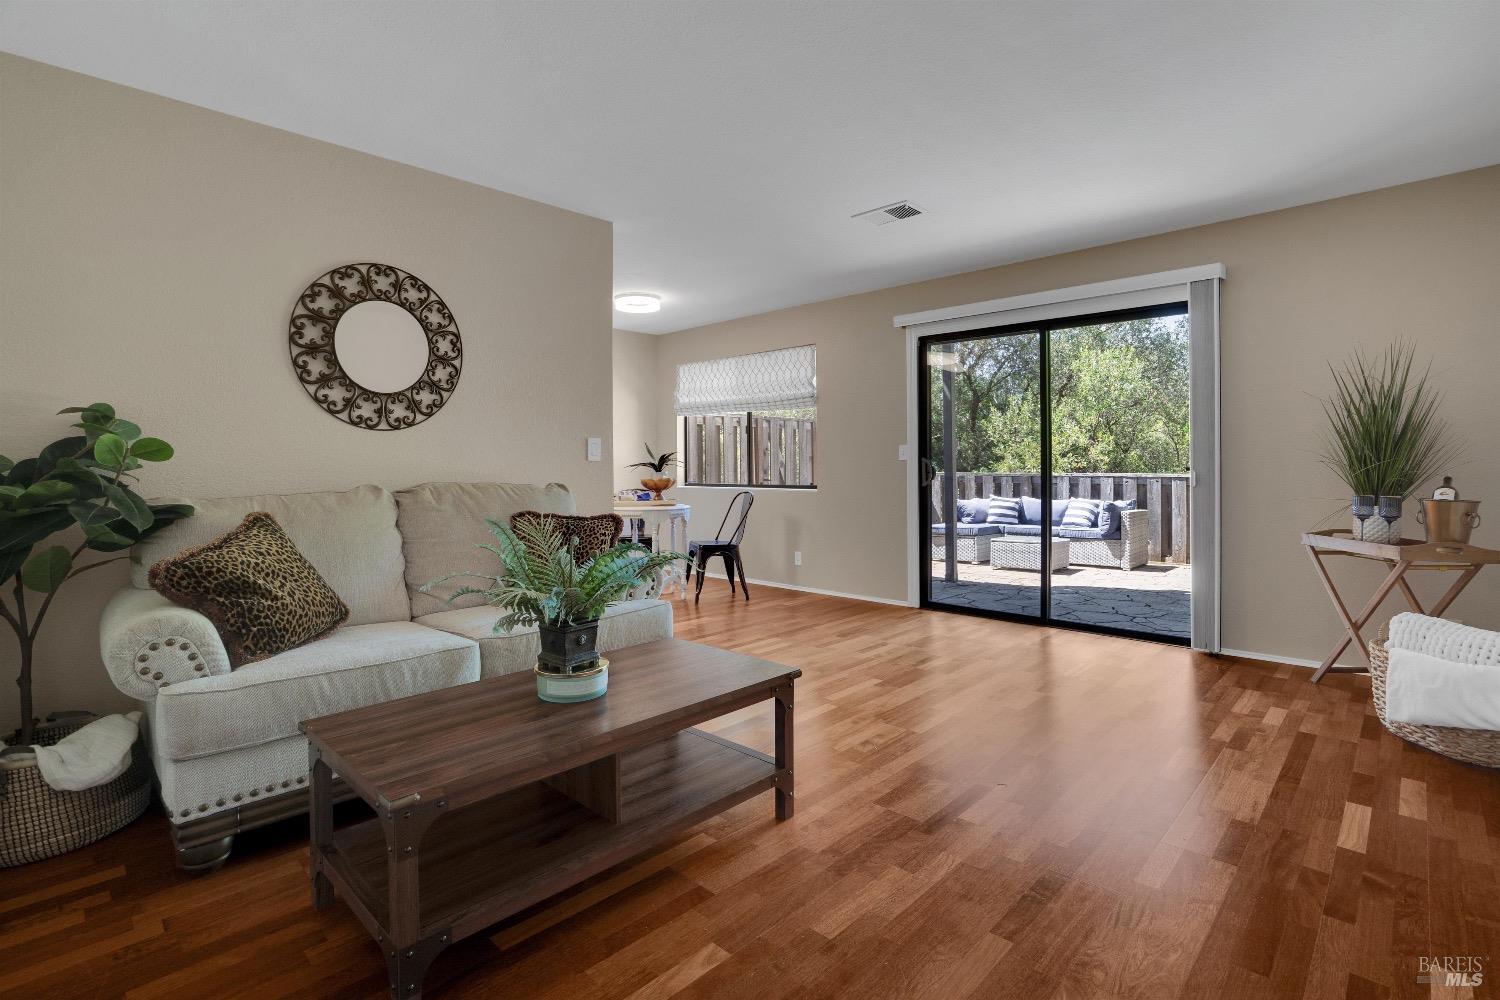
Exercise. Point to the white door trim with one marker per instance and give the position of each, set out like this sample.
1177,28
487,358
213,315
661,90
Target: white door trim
1123,293
1004,312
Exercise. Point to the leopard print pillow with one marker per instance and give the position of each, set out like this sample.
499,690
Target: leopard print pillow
257,589
588,535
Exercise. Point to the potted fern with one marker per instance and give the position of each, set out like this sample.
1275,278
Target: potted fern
1385,437
542,583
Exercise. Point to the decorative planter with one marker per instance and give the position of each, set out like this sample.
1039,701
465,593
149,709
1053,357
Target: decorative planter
584,685
37,821
569,667
656,486
1376,519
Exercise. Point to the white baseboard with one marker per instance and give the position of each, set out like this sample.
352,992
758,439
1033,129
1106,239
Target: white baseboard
1272,658
816,590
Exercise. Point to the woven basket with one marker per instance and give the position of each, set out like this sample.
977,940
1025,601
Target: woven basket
1472,746
37,821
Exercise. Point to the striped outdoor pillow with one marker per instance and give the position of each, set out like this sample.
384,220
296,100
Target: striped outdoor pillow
1081,513
1005,510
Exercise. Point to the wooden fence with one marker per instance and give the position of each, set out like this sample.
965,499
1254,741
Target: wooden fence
1164,497
747,449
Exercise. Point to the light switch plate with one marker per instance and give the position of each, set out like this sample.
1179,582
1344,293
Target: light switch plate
596,449
901,452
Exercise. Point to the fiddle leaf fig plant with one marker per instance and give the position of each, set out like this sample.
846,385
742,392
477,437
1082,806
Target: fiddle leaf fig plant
84,480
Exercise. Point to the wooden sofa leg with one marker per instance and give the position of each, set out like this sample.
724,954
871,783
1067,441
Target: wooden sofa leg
198,850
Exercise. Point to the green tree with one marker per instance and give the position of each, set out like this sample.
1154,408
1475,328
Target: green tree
1119,399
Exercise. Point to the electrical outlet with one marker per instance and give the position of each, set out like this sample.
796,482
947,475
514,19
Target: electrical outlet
596,449
797,557
901,453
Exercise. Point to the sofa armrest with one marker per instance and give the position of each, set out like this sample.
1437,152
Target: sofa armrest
148,642
1132,522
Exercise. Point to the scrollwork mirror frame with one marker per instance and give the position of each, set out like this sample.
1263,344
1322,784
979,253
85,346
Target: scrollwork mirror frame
313,336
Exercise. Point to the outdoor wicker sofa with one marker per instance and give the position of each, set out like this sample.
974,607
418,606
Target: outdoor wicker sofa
1120,543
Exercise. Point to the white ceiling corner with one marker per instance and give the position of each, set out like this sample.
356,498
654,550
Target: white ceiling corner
731,143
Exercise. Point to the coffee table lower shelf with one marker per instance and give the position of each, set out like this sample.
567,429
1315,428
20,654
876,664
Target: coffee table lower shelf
488,861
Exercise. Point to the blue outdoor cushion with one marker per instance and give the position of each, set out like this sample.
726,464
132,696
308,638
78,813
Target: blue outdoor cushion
975,511
1081,513
1031,510
1005,510
1023,530
967,530
1078,532
1109,517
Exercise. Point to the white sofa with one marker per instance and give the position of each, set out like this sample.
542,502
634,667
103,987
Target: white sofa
225,743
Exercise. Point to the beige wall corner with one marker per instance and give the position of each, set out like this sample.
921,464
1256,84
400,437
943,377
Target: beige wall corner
1306,286
151,255
637,399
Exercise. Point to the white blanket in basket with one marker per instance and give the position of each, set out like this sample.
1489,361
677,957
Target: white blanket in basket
97,753
1442,673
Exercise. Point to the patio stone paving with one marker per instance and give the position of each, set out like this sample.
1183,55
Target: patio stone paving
1153,598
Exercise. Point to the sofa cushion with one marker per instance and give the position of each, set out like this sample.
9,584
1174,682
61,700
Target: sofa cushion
628,623
1110,519
355,666
1023,530
970,530
973,511
442,526
261,594
1004,510
588,535
1080,513
1031,510
349,537
1080,533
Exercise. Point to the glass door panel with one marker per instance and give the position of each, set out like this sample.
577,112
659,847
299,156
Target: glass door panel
1118,408
982,434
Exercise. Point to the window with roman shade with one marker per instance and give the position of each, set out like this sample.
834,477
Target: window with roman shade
749,419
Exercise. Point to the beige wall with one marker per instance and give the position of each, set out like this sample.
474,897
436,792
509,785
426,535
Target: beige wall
1305,286
636,402
151,255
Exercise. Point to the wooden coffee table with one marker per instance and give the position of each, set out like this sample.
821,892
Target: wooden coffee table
489,800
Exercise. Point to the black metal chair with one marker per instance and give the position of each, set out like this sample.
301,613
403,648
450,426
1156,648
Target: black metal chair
699,553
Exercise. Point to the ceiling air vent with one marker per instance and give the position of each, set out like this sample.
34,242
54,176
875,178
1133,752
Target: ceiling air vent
890,213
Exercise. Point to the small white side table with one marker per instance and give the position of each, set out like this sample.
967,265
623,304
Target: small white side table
668,527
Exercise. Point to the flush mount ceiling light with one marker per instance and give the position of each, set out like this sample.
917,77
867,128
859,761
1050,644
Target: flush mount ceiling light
637,302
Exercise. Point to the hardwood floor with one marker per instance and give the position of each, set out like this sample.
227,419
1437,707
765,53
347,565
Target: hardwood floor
985,810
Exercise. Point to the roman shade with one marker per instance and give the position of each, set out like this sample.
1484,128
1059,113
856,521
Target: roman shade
769,381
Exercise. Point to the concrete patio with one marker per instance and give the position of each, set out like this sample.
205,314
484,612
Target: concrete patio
1153,598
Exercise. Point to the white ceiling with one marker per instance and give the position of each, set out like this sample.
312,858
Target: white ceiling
730,143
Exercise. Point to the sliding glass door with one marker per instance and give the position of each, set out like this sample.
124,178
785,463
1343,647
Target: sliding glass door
1054,472
981,409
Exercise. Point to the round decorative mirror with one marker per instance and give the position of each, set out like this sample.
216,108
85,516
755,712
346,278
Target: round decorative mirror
375,346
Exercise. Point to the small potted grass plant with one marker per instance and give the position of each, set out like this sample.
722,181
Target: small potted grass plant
1385,437
541,583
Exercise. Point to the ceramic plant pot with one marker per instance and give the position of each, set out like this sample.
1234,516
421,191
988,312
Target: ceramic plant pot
1376,519
569,667
584,685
